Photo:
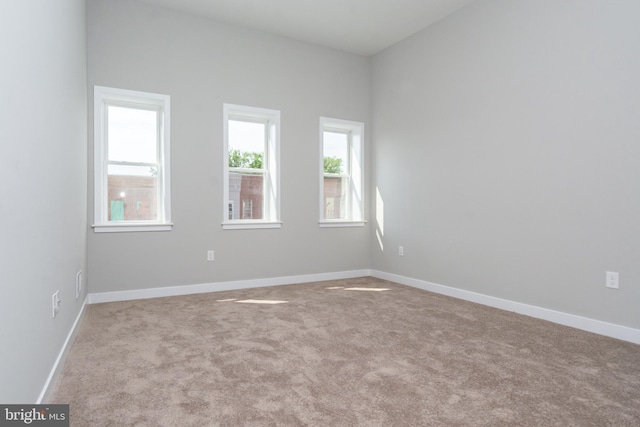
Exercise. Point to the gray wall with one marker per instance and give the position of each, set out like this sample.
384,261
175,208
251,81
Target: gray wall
202,64
43,206
507,148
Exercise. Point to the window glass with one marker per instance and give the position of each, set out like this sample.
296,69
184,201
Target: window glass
133,134
246,144
246,152
336,152
336,163
132,137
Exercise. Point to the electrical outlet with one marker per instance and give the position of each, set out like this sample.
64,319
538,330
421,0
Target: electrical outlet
55,303
78,284
401,250
210,255
613,280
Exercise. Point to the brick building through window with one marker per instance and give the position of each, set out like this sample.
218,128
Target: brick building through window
132,198
246,196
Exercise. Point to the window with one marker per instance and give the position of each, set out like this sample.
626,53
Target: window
131,161
251,167
341,177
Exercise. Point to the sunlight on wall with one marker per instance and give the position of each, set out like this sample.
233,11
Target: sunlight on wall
379,218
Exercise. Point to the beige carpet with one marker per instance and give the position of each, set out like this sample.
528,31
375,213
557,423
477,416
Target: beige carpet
338,357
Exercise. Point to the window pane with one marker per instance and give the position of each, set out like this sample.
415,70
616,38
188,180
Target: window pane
132,193
336,152
132,170
132,134
246,195
246,144
335,199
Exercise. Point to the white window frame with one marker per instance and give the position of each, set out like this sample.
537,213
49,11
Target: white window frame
102,98
271,166
355,172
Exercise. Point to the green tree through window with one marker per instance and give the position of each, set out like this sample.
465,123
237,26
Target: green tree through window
332,165
243,159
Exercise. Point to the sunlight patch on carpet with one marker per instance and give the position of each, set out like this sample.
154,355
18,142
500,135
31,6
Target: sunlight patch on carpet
261,301
335,287
367,289
228,299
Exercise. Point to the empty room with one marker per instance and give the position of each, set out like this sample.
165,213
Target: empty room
336,213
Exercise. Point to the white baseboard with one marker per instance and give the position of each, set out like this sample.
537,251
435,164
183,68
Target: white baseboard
221,286
596,326
45,394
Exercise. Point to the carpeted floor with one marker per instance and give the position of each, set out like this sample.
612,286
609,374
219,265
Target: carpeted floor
330,356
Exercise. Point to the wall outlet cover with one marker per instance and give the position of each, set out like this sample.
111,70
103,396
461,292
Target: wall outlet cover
613,280
55,303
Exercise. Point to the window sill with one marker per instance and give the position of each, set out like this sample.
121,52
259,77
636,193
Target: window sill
340,223
130,228
248,225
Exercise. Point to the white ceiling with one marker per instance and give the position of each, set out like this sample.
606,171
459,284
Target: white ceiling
364,27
